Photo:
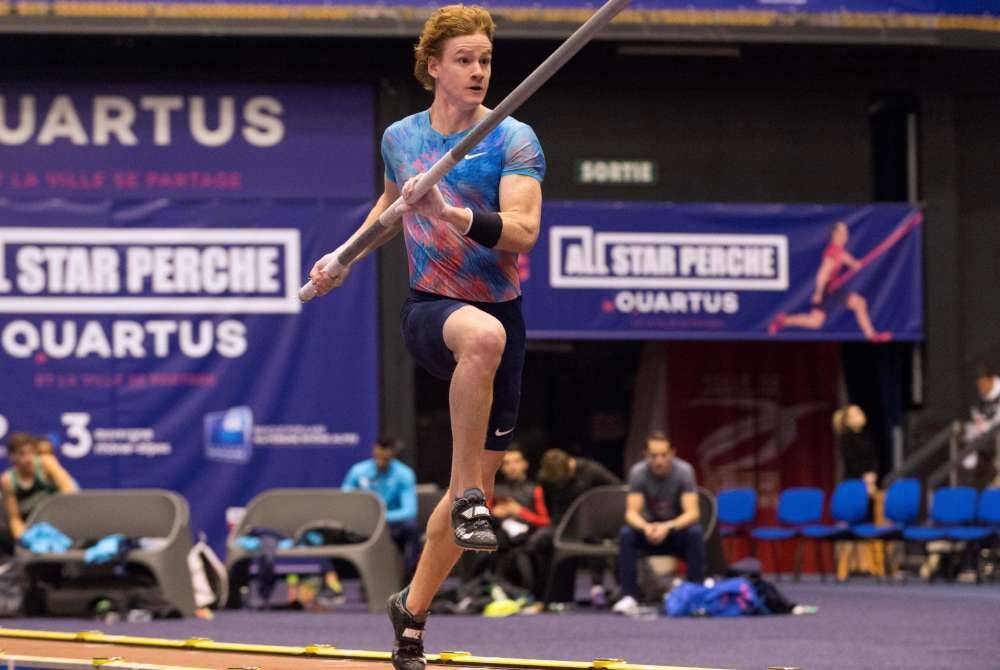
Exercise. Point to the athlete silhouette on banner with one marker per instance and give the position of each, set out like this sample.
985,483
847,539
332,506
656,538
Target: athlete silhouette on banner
831,292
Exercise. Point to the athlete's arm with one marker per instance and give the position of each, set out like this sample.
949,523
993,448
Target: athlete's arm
324,283
57,473
690,512
390,194
10,505
633,512
521,212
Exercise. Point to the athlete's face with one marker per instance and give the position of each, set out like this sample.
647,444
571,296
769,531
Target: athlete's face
659,457
515,466
462,73
840,235
23,459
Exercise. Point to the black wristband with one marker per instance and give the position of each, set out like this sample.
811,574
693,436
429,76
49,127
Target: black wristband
486,227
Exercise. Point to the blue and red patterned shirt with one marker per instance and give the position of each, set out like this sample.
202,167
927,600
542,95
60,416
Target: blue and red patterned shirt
442,260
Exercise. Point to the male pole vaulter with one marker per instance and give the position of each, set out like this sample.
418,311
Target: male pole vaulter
463,318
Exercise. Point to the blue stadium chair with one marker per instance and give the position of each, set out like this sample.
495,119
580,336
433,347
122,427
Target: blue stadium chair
988,516
982,534
737,510
797,507
952,506
902,507
848,507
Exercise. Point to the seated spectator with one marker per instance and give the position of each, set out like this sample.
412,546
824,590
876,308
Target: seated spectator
563,478
44,447
395,483
857,451
661,518
519,510
518,498
31,479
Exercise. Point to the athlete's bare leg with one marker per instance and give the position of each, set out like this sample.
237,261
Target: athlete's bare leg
857,304
440,551
812,320
477,341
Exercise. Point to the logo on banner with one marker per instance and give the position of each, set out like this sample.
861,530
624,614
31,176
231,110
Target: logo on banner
668,272
82,439
229,435
258,122
163,271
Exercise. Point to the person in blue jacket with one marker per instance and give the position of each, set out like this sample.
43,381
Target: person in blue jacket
395,483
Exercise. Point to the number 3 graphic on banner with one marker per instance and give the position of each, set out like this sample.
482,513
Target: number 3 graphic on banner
80,440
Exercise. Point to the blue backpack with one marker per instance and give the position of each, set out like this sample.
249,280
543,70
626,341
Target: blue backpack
730,597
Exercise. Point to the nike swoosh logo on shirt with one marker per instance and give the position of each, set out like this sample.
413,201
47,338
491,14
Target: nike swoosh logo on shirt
501,433
471,156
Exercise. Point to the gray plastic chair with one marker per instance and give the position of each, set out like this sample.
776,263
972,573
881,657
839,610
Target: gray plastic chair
589,529
287,511
138,513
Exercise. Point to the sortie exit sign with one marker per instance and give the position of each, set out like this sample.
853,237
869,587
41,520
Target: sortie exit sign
614,172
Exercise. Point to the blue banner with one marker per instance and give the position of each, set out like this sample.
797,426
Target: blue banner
162,344
733,272
183,141
875,15
169,8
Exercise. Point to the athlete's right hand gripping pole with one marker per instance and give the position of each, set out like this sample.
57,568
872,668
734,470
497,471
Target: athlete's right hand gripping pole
390,217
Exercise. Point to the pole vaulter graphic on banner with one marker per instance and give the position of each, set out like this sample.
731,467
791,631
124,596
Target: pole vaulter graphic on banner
727,272
160,341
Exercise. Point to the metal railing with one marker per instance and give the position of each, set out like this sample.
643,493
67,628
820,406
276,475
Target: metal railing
958,450
952,438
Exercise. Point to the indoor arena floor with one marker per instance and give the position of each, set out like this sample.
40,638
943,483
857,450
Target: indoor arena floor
41,650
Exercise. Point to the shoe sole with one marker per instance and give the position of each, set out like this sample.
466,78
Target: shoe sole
475,547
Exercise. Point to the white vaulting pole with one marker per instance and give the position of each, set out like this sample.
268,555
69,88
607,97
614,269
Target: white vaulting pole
507,106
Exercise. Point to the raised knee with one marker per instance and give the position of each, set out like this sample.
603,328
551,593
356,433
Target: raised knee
857,301
486,343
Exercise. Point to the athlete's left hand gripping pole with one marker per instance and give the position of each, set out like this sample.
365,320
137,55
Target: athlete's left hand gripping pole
390,217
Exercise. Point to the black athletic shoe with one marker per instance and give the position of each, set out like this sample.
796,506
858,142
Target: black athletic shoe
470,520
408,649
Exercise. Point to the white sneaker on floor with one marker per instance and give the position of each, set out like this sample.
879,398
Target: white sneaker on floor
627,606
598,596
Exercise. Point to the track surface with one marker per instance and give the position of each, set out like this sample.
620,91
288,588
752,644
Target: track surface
187,658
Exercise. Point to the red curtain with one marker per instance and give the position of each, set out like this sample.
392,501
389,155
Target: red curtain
755,414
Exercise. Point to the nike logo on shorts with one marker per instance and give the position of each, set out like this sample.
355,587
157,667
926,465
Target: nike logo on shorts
501,433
